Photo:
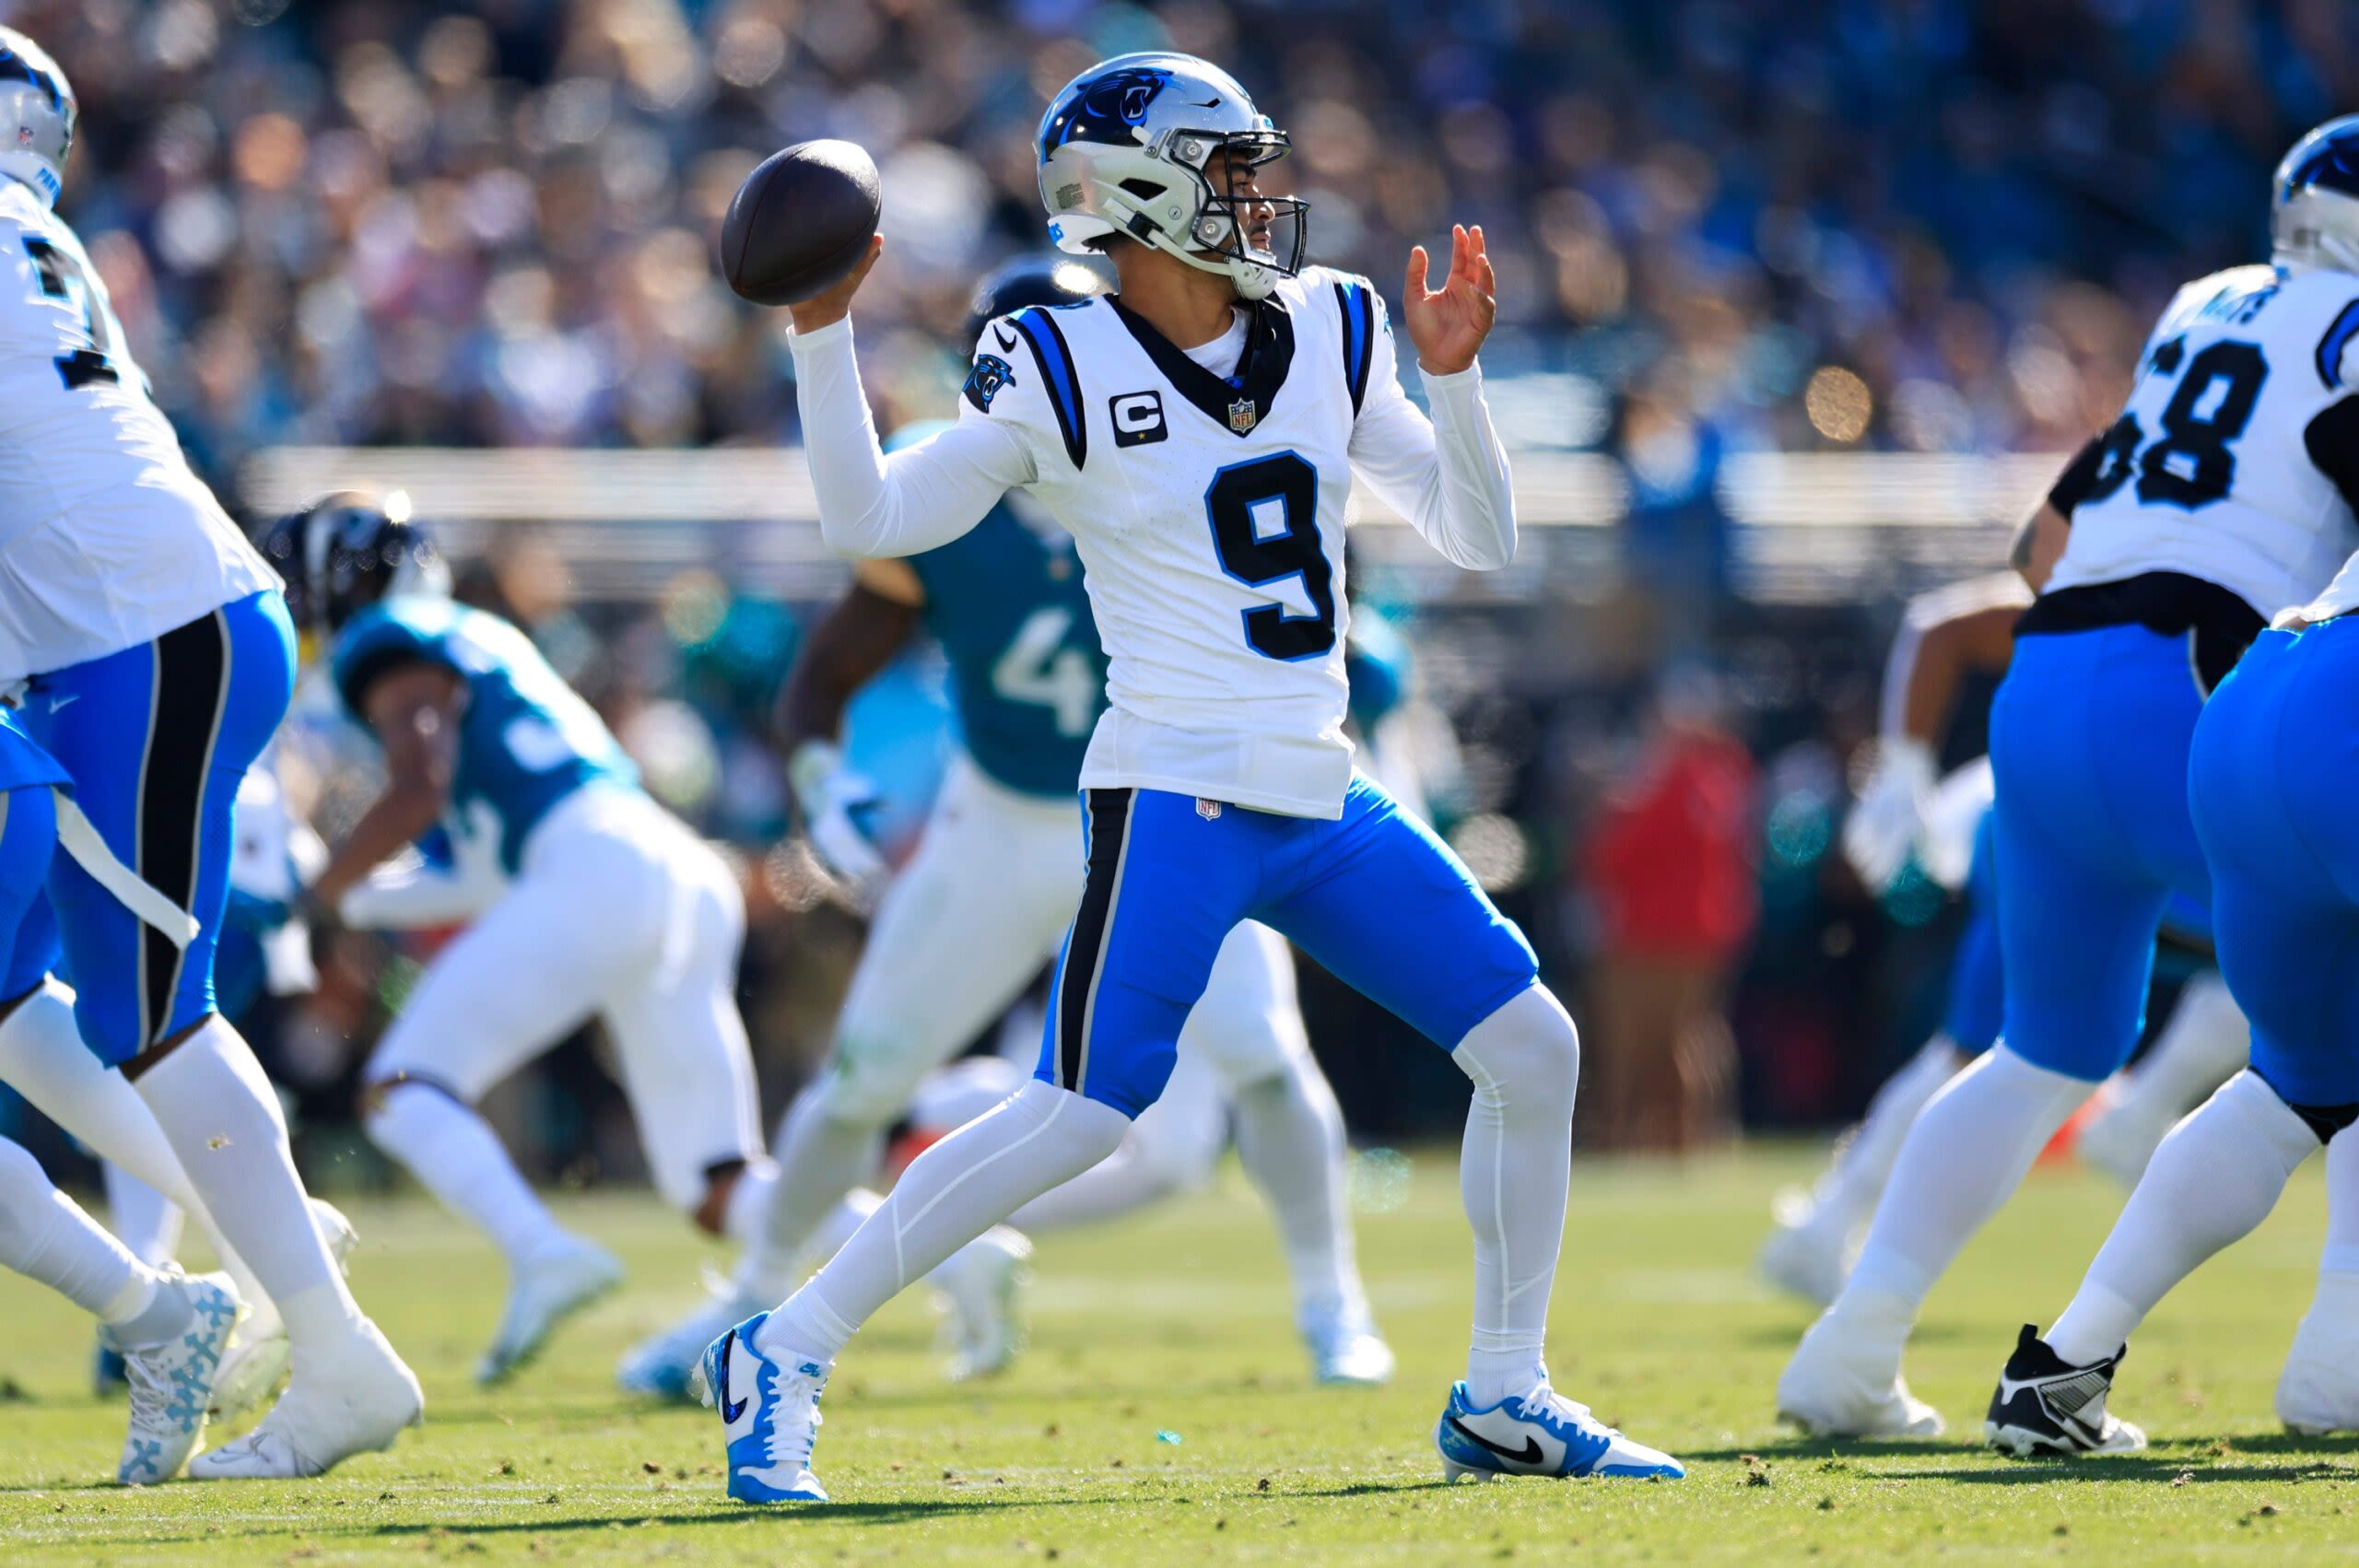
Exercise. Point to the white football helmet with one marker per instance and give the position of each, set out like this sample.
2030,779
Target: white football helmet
1125,149
2314,202
36,114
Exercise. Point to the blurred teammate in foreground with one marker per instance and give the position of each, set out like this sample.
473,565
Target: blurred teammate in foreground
1197,434
2221,495
2272,779
159,660
968,923
1947,636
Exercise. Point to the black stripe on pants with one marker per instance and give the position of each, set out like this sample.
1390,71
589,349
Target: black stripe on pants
1110,824
192,683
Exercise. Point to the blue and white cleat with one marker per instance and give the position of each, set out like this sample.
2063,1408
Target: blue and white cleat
770,1411
1540,1433
171,1383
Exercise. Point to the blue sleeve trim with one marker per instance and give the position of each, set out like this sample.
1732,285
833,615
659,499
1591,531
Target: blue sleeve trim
2338,337
1359,335
1058,374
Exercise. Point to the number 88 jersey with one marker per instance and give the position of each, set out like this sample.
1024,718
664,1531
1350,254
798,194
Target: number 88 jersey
2237,453
1208,513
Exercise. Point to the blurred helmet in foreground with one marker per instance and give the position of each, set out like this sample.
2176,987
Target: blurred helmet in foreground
2314,203
36,116
1031,280
1127,148
344,552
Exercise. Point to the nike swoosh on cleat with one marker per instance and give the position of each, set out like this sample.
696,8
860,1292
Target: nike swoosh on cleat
1530,1453
729,1410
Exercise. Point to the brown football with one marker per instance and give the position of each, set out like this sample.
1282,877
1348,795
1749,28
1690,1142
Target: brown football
800,222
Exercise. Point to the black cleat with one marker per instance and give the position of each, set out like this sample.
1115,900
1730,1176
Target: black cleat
2045,1404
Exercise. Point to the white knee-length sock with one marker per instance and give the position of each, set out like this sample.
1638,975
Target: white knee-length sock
455,1155
2341,1254
1290,1137
45,1235
960,1187
2215,1178
1965,1152
1848,1193
2206,1040
222,1119
1513,1174
821,1158
143,1219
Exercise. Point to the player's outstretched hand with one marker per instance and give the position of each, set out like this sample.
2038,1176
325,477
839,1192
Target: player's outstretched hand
1449,326
826,309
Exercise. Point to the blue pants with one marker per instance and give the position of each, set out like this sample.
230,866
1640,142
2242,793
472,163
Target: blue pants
1375,897
2089,738
1977,976
28,844
2275,789
158,737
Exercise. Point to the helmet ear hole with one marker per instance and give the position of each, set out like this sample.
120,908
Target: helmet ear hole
1144,190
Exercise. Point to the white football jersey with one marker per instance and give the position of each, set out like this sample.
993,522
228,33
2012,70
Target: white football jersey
1208,513
2230,459
106,540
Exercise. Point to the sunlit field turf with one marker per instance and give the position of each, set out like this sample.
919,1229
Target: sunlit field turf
1164,1414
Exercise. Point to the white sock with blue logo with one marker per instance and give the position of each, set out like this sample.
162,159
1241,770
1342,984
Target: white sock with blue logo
1038,1137
1513,1174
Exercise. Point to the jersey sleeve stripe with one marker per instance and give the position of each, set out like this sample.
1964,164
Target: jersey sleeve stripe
1058,374
2331,347
1359,333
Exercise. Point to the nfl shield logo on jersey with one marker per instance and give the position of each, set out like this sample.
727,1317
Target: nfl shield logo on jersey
1208,810
1243,414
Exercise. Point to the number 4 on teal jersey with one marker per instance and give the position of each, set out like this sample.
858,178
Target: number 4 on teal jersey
1039,670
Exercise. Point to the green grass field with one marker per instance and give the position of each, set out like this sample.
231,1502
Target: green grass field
1176,1323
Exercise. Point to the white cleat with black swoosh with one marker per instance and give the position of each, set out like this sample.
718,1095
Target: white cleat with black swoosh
2046,1405
1540,1433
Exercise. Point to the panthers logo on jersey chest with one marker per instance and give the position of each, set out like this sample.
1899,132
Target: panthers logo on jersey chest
984,382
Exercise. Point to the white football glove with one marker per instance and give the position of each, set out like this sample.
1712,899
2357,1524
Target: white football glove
837,803
1889,817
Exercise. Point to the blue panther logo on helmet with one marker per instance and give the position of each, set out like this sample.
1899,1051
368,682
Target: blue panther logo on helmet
1102,108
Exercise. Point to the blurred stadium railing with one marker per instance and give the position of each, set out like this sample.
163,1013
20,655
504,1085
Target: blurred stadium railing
1804,527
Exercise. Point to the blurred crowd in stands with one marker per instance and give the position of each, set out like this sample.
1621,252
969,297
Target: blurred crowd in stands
1815,224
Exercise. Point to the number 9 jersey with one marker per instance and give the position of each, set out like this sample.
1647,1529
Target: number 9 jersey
107,538
2237,457
1208,512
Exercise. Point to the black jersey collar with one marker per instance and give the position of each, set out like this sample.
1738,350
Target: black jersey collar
1238,402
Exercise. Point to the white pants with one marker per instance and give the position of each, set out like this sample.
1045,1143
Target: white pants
973,917
620,911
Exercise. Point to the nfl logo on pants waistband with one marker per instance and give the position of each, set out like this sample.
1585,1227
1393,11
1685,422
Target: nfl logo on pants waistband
1243,414
1208,810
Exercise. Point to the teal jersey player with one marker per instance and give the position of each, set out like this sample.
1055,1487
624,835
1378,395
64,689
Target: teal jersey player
1007,605
526,742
